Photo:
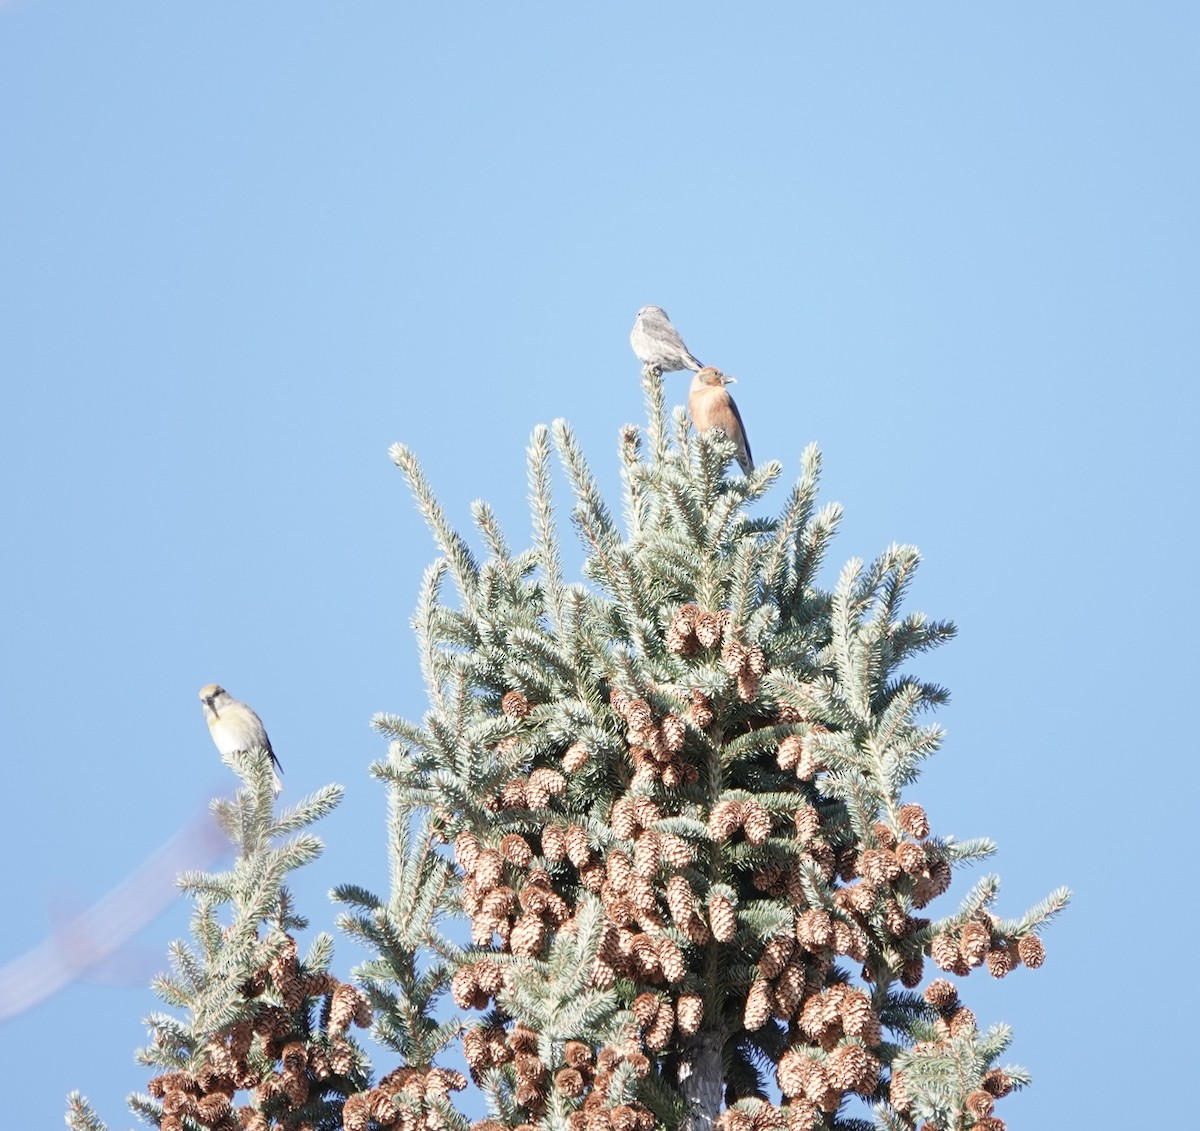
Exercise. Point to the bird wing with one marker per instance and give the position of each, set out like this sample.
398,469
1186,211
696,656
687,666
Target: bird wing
712,407
748,463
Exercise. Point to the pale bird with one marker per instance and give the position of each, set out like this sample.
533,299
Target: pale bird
235,727
712,407
657,343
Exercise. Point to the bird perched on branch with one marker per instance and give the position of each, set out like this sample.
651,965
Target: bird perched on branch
712,407
235,727
657,343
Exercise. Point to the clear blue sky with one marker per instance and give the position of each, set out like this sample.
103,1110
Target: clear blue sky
243,248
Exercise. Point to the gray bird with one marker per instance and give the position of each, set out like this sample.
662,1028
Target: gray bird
712,407
657,343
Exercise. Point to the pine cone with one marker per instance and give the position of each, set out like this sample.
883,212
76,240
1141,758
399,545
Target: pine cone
962,1022
489,869
997,1082
342,1007
515,849
645,1008
515,705
640,717
622,819
1031,951
658,1036
821,1016
944,951
528,936
725,819
757,1010
974,941
859,1019
577,1054
516,795
466,851
913,821
1001,961
756,822
673,731
733,657
681,643
898,1094
689,1013
802,1115
912,971
547,780
809,764
788,754
579,852
701,710
723,917
646,854
708,629
807,821
569,1081
646,812
356,1114
814,929
912,857
575,757
775,955
733,1119
850,939
879,866
852,1069
793,1072
980,1103
554,843
861,898
671,959
675,850
884,835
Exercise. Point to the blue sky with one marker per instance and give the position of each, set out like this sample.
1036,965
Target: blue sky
244,248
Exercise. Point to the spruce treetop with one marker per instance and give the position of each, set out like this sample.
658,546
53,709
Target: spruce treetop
654,840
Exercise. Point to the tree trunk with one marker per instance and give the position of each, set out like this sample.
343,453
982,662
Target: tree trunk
700,1080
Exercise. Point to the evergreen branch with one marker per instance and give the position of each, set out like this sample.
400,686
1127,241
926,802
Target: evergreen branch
458,556
423,625
545,530
656,414
307,811
810,553
633,481
963,851
1042,912
81,1116
488,525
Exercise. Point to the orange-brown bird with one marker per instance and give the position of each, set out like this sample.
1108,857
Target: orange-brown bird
712,407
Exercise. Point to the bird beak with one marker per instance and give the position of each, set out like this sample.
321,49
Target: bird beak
726,380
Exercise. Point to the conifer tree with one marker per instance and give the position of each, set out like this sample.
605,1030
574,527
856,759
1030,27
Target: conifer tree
677,798
654,858
258,1019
